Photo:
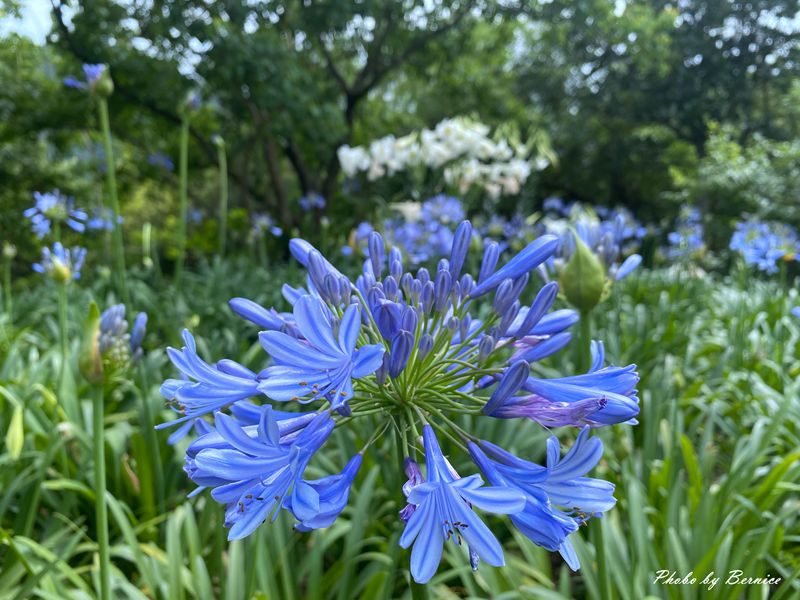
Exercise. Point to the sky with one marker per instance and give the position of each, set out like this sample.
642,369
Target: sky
34,23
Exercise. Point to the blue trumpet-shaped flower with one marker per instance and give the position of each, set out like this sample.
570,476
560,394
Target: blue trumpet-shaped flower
92,75
443,512
54,207
560,484
333,490
322,365
256,476
205,388
62,264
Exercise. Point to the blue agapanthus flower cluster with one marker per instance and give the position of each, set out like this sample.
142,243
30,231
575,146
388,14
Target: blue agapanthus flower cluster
102,219
118,345
687,239
762,244
161,160
422,236
54,207
406,353
311,201
262,223
61,264
609,239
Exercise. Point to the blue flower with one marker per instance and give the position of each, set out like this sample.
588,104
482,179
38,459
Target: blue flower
54,207
322,365
763,244
333,491
796,311
255,476
603,396
62,264
312,201
115,343
560,484
443,512
103,219
263,223
159,159
687,239
205,388
93,75
425,341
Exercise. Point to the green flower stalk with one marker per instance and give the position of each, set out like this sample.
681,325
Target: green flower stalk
223,192
99,84
9,252
189,106
108,353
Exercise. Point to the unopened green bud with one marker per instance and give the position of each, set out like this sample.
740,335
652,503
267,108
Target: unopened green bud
90,360
583,279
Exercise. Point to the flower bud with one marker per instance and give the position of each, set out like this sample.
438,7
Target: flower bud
402,343
90,360
376,253
425,345
458,254
583,278
513,379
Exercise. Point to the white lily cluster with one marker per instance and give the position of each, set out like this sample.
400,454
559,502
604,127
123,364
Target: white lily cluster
463,146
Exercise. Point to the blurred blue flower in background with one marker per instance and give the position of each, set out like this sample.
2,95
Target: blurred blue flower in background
763,244
62,264
159,159
54,207
311,201
687,238
102,219
92,75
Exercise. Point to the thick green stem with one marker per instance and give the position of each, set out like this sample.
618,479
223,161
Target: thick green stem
223,199
101,510
111,180
183,167
66,399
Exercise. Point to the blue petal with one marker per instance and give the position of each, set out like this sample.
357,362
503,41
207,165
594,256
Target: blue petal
427,551
287,350
314,323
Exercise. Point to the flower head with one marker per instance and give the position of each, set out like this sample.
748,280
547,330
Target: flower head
61,264
406,350
54,207
97,80
762,245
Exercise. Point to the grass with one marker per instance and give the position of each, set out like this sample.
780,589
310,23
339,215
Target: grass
708,481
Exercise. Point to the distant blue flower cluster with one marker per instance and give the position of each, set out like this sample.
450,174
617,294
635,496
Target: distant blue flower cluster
609,234
159,159
762,244
312,201
427,235
102,219
92,75
407,352
61,264
262,223
54,207
687,239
